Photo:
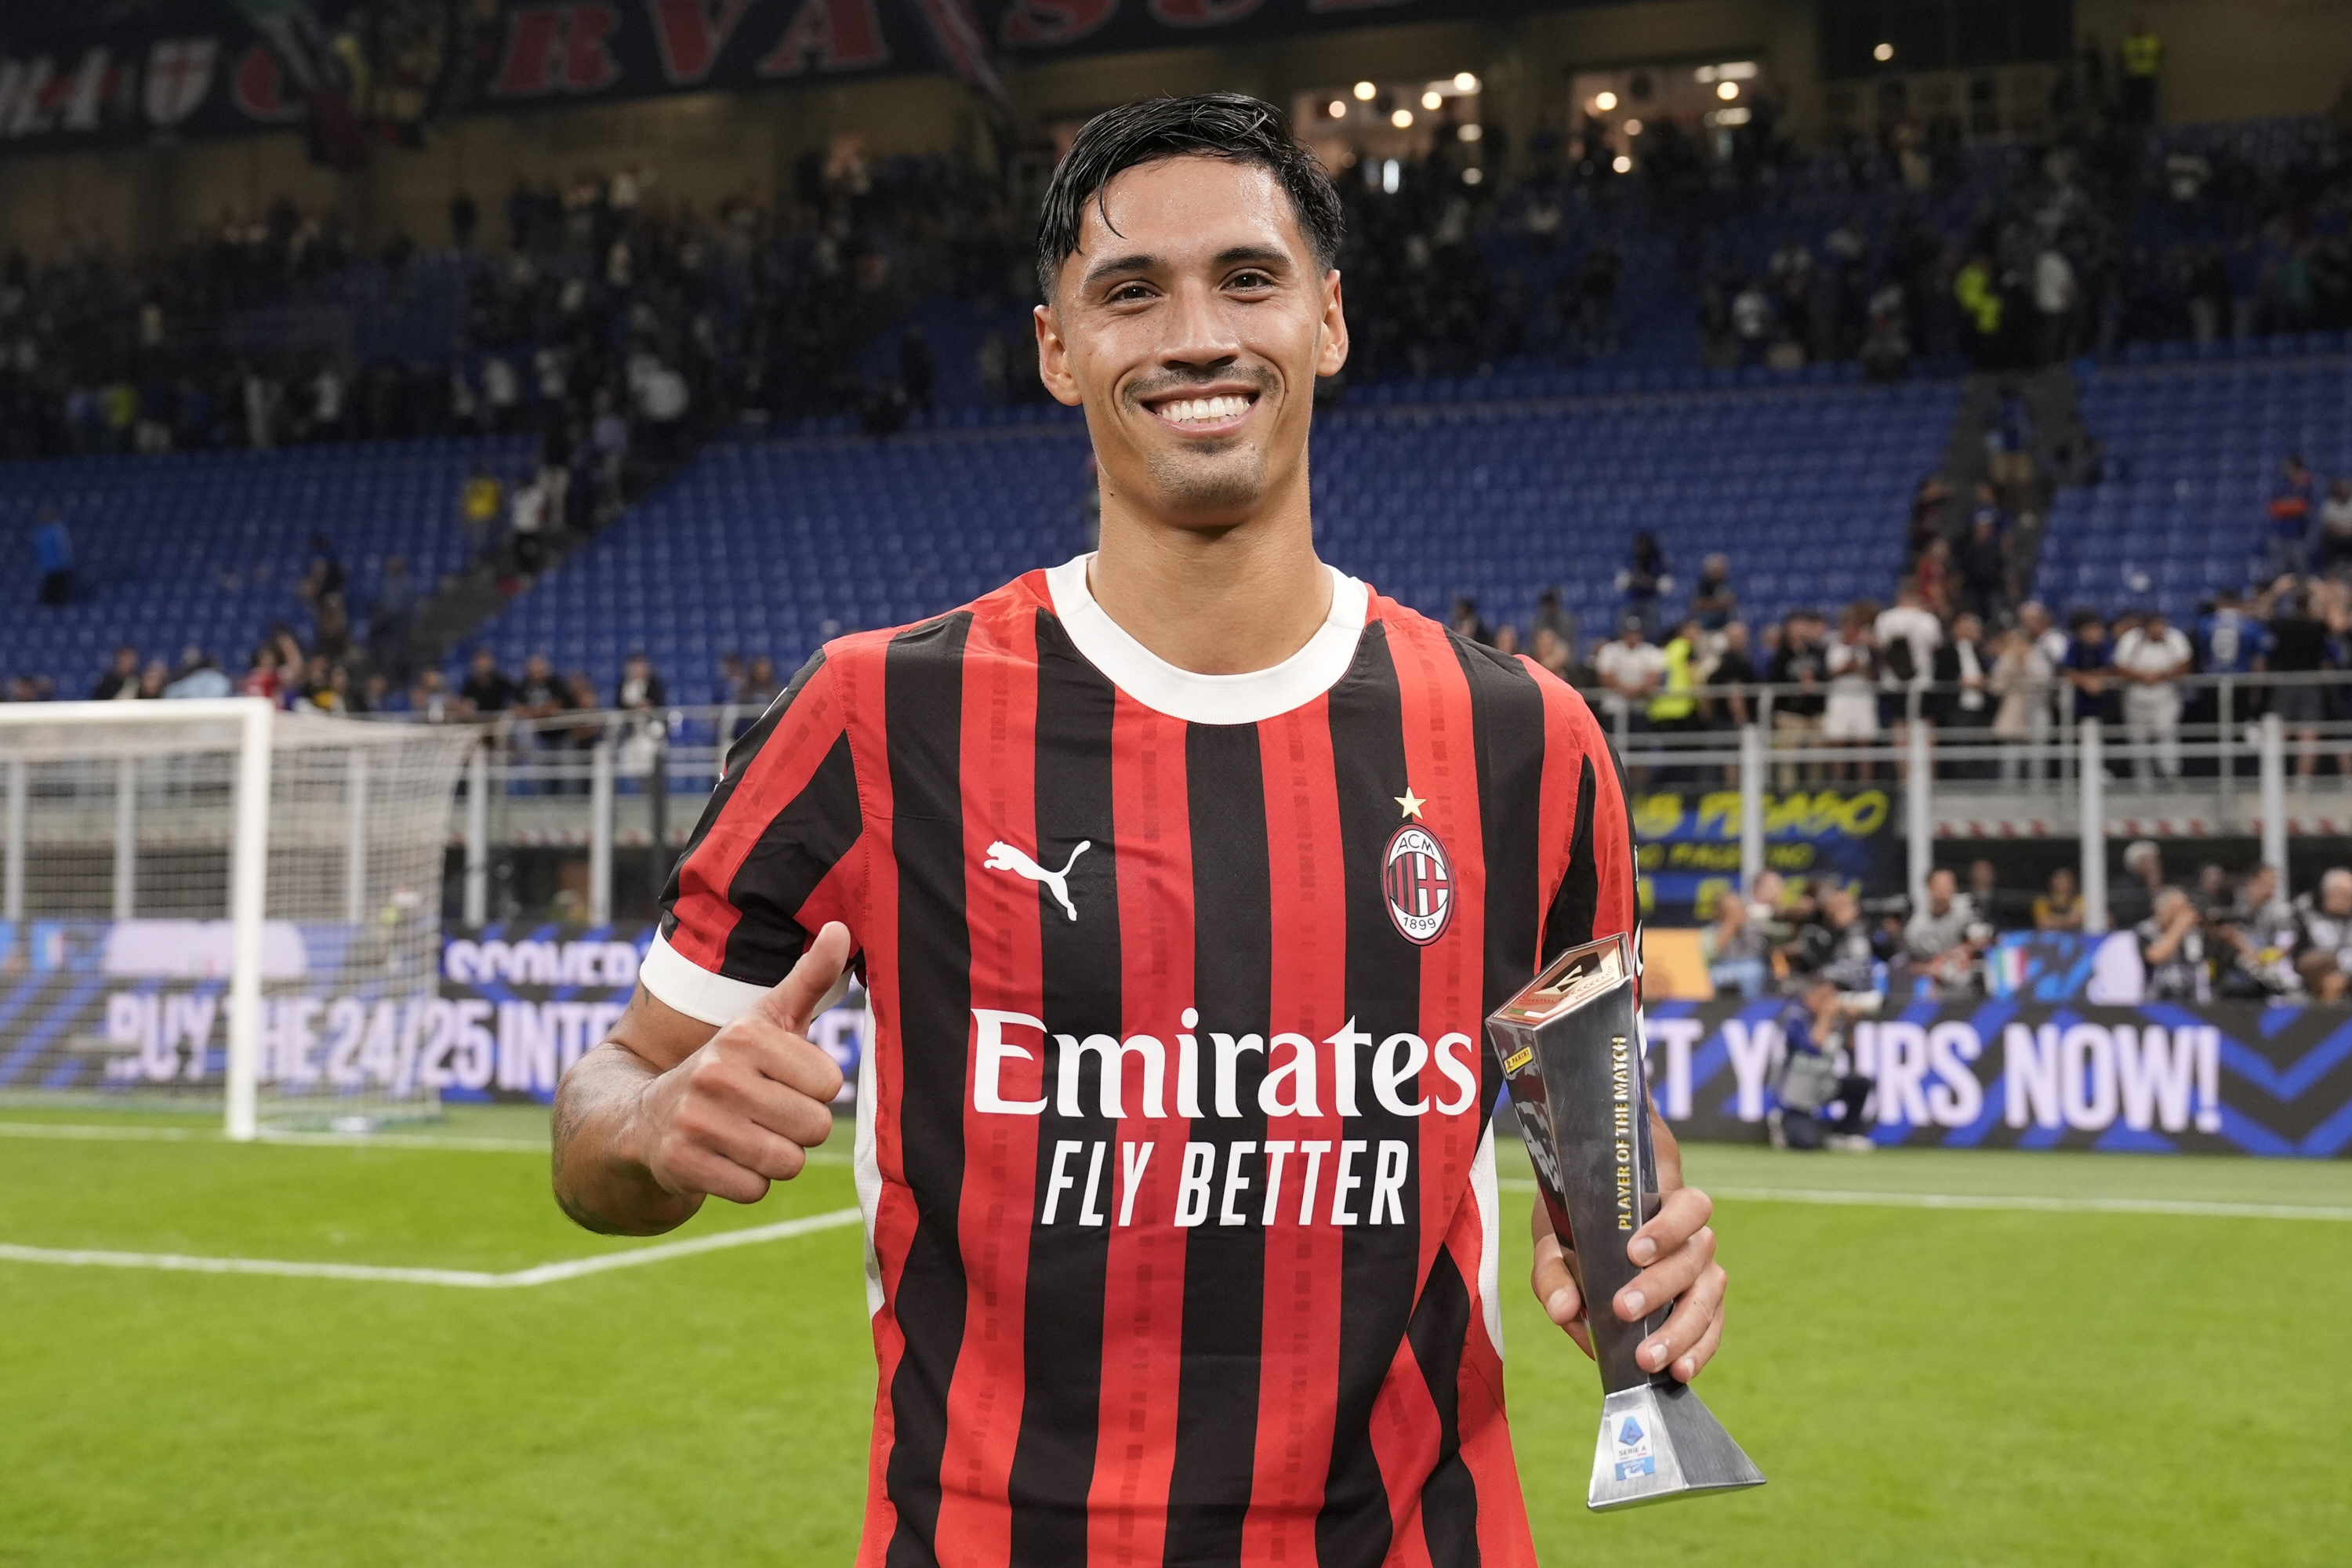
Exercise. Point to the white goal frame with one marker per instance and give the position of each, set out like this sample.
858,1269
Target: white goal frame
249,879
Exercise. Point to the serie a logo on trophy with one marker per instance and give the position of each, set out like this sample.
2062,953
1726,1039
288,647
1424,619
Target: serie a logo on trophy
1570,1045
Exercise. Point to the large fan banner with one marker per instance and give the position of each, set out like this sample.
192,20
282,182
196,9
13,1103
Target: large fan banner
2158,1079
352,73
139,1007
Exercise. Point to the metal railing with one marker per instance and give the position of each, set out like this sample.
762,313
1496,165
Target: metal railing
612,779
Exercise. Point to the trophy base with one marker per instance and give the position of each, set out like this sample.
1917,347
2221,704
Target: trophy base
1658,1442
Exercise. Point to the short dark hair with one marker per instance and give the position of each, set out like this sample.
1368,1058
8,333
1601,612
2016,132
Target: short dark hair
1228,125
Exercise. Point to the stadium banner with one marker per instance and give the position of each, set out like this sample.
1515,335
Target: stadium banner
1688,844
345,72
349,73
2158,1079
100,1007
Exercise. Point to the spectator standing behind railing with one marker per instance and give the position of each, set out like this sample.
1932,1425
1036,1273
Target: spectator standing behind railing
1629,669
2298,647
486,689
2234,643
2022,677
2151,658
1800,662
2089,667
1853,667
1735,667
1958,700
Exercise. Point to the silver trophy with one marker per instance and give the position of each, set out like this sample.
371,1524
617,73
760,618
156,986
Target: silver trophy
1570,1045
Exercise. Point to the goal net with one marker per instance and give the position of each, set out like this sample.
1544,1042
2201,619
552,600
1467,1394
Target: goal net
213,902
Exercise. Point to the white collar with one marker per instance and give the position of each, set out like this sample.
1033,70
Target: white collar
1247,699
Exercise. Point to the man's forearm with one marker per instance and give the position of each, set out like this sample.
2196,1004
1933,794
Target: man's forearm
601,1181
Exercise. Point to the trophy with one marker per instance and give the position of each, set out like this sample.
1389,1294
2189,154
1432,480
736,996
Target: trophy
1570,1045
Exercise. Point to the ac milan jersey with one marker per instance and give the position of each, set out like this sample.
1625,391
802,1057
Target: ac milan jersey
1174,1139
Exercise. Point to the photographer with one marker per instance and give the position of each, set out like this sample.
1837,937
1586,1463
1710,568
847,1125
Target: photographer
1812,1027
1837,944
1945,938
2172,949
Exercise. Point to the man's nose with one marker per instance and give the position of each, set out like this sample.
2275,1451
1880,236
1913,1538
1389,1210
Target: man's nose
1200,331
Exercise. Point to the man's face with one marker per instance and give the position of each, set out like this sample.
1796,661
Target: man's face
1940,888
1190,326
2335,896
484,663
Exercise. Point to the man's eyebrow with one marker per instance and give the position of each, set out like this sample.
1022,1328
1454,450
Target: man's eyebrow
1260,255
1135,261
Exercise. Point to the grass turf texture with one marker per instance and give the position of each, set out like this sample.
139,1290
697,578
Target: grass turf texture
1922,1385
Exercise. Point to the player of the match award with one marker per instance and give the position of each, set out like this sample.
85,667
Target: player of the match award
1570,1045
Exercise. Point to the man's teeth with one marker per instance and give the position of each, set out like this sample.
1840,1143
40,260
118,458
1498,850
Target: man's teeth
1204,410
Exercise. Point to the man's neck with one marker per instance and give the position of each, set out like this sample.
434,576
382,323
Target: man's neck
1227,602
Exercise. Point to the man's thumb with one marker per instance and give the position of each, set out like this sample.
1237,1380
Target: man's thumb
800,995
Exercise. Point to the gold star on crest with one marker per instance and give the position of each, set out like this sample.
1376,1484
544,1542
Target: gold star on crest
1411,801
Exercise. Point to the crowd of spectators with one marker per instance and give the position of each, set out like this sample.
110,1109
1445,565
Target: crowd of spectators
2223,936
604,300
1960,648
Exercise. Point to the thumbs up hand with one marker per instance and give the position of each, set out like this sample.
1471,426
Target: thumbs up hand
744,1109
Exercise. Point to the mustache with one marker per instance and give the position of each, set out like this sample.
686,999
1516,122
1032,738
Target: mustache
1175,383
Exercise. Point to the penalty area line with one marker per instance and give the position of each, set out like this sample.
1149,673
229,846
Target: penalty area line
2021,1203
461,1279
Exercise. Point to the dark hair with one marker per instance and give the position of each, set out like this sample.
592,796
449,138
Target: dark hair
1228,125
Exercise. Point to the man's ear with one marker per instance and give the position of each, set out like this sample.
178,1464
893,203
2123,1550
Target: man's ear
1334,353
1054,357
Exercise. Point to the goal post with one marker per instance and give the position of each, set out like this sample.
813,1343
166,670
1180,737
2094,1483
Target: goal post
213,902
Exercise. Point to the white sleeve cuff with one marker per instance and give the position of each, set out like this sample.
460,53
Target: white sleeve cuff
693,990
679,982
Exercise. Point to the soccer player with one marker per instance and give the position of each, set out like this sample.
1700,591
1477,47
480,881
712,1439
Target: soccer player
1181,876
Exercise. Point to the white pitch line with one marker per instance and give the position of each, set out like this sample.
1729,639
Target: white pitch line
103,1134
2190,1206
464,1278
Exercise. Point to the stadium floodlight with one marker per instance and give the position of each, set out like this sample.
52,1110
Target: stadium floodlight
1364,91
1463,81
209,900
1882,53
1401,119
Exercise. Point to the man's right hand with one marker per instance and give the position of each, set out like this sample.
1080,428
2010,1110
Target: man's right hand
742,1111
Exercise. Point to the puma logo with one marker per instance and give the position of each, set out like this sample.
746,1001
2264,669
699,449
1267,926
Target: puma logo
1003,856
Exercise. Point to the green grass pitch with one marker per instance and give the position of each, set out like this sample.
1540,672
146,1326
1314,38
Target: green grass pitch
1923,1384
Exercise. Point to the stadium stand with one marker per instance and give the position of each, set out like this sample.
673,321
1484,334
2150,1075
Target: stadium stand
769,547
2193,455
210,549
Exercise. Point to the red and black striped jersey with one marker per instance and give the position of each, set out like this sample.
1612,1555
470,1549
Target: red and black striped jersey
1174,1140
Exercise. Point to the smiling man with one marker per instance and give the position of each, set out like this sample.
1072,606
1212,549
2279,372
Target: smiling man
1182,876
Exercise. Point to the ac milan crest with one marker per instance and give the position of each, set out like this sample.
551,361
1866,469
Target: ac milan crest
1417,879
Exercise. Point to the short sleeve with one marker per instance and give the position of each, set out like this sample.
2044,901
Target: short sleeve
775,856
1590,847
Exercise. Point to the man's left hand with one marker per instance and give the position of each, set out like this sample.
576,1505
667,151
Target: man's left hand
1675,1252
